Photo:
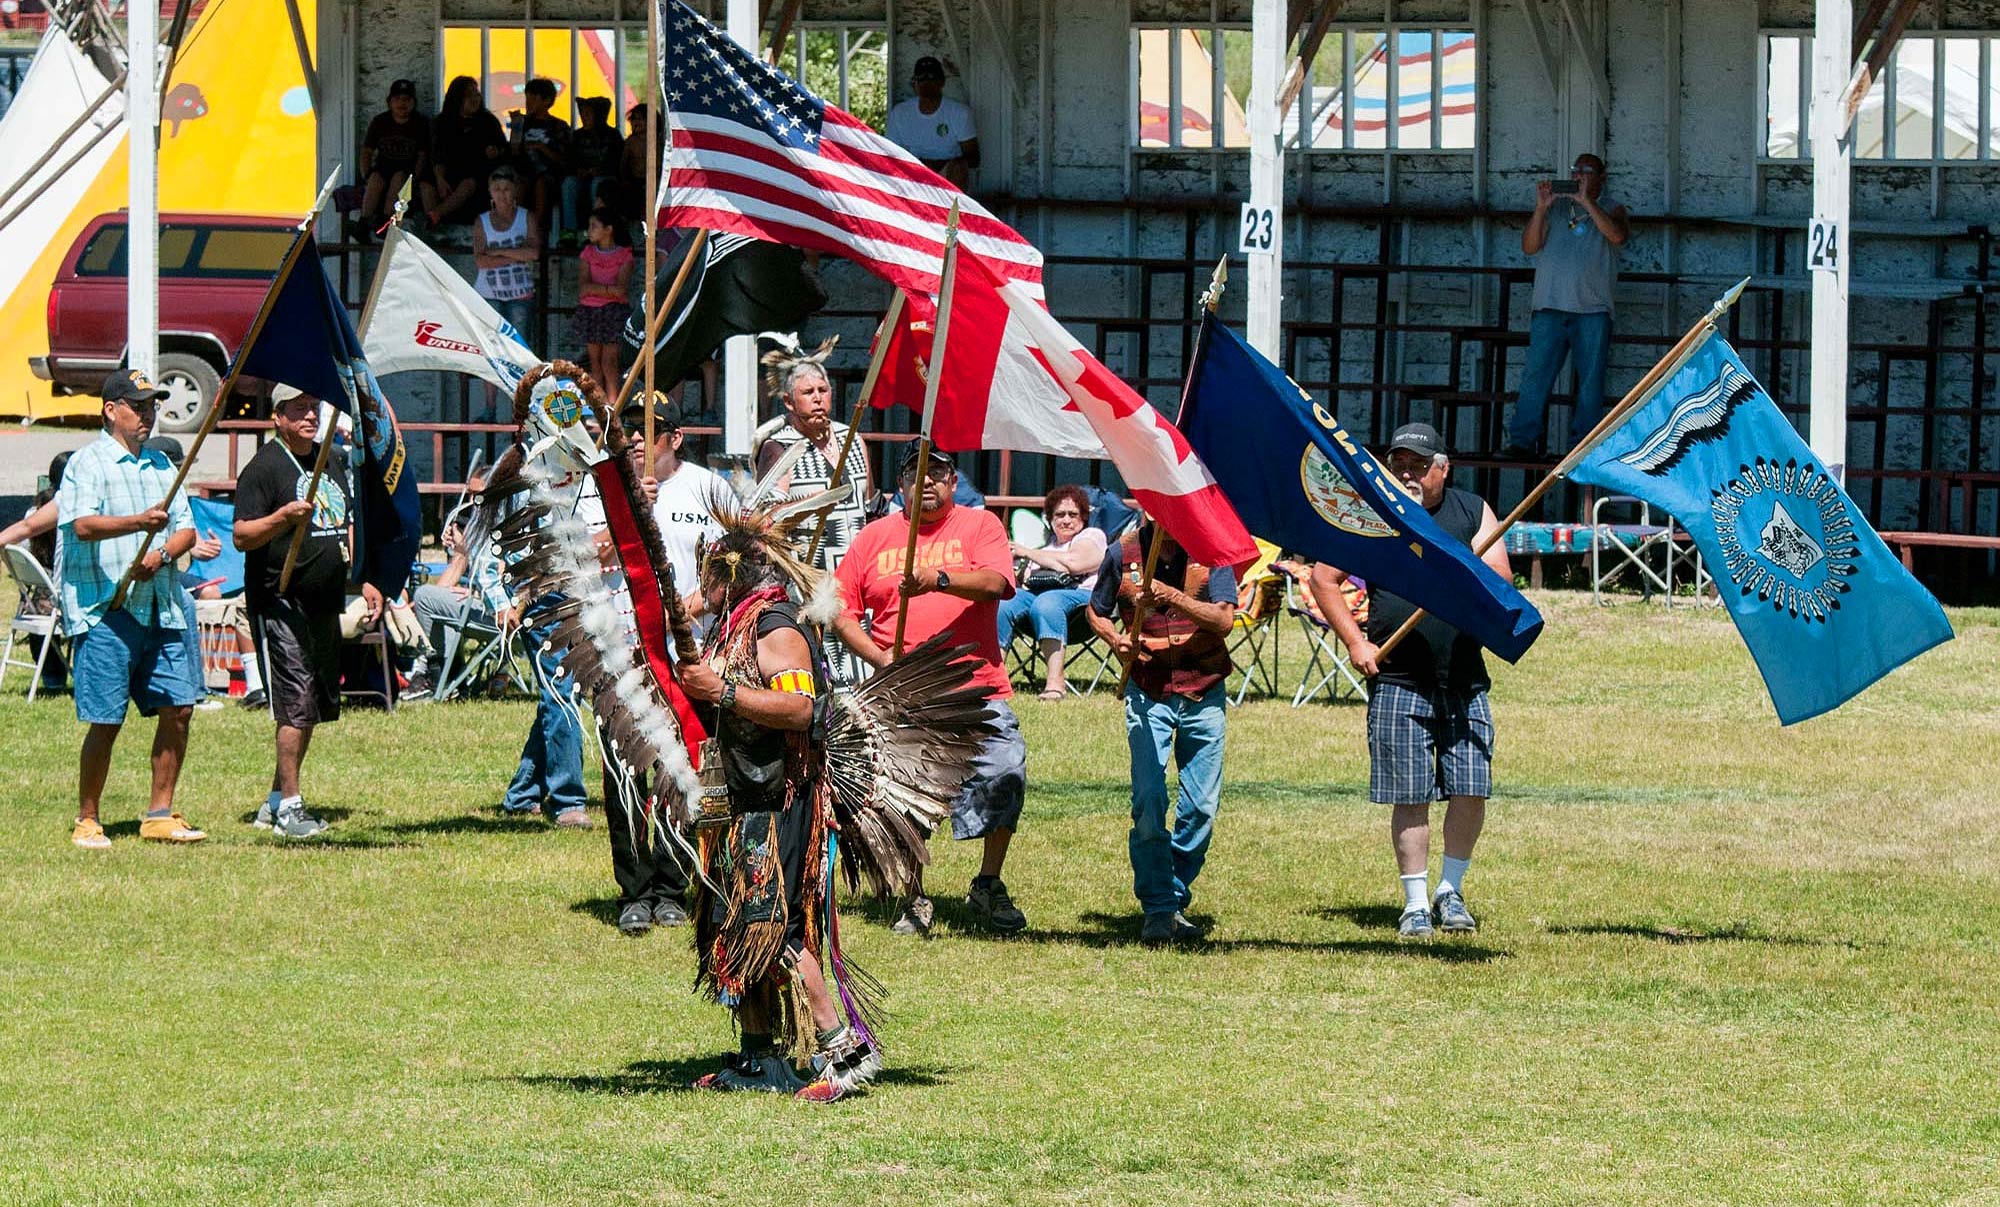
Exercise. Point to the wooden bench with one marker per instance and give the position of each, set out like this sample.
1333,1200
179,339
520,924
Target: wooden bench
1906,543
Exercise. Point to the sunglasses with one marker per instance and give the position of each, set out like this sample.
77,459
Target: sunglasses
937,473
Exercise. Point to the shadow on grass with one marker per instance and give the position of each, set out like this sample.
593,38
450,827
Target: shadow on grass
1735,932
677,1077
1122,930
326,815
333,840
475,823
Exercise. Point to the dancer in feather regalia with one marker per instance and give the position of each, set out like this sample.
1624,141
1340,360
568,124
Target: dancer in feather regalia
794,779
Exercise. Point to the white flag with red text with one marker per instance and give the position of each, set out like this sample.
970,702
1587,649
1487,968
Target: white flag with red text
427,316
1016,379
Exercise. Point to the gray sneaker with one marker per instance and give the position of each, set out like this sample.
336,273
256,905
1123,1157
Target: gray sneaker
916,919
1164,928
265,815
1415,924
1452,916
294,822
993,908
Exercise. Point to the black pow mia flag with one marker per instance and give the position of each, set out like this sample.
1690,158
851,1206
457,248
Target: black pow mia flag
740,287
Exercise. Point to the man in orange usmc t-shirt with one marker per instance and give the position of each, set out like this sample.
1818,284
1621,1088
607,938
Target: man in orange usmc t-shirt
963,570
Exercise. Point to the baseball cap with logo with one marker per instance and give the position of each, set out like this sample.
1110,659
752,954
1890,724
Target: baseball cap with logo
927,68
1419,438
130,385
666,416
403,88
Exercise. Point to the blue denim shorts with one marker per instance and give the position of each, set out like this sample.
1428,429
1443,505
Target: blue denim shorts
1427,746
120,663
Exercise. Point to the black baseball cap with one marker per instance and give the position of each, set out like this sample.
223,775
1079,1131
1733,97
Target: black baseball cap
666,416
938,457
1419,438
403,88
130,385
927,68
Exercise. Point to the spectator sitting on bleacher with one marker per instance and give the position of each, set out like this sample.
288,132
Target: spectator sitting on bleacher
396,148
1058,581
467,143
1576,271
595,151
540,141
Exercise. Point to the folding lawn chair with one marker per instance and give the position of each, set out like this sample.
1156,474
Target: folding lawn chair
1635,545
488,653
1255,633
42,627
1326,666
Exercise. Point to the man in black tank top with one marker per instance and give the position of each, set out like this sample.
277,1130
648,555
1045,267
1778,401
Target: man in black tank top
1430,730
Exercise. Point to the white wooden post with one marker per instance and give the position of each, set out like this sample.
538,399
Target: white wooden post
739,354
142,236
1828,239
1261,233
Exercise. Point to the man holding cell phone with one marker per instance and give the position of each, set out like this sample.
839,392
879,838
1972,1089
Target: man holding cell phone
1573,239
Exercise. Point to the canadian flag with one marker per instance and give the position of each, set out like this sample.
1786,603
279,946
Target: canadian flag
1014,378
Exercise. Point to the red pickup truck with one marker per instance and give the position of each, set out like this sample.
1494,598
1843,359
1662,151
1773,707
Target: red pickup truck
214,272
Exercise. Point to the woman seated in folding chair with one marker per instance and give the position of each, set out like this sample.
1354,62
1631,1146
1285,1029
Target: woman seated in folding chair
1057,582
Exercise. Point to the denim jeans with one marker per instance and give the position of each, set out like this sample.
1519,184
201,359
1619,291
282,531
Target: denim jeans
520,315
1553,335
552,759
1164,865
578,200
1050,609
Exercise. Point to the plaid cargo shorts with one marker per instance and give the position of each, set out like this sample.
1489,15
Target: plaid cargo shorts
1426,746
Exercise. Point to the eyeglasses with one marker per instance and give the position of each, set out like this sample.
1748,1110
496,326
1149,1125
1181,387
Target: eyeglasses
1408,463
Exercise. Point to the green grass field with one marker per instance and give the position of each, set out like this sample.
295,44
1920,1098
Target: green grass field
1720,963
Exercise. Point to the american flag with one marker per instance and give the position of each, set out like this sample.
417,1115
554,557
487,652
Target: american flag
749,150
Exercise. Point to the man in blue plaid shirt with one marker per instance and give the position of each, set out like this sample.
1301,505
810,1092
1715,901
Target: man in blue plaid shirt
131,652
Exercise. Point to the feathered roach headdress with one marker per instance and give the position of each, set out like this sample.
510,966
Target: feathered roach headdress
757,545
781,362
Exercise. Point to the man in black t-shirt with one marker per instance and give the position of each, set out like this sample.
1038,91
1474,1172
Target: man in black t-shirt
396,148
1430,730
298,625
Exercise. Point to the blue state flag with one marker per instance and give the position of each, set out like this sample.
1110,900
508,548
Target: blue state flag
309,343
1824,606
1300,481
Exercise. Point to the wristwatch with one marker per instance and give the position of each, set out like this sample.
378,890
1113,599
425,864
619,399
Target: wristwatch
728,701
944,581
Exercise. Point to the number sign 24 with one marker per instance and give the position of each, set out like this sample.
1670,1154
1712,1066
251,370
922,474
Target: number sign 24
1823,246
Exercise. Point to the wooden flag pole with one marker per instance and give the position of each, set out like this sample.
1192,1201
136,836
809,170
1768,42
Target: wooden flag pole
645,362
1634,398
326,438
1209,302
913,498
884,335
292,254
653,127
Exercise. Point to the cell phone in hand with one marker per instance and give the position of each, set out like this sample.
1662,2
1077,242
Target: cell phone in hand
1566,187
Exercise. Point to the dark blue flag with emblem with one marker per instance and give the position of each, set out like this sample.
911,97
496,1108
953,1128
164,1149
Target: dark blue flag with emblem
1824,606
308,343
1299,480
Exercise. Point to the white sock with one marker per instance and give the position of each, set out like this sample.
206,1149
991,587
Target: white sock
290,802
1451,878
252,680
1416,891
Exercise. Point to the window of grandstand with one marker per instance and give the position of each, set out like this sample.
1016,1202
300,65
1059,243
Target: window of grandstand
1397,88
608,60
847,64
1937,100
